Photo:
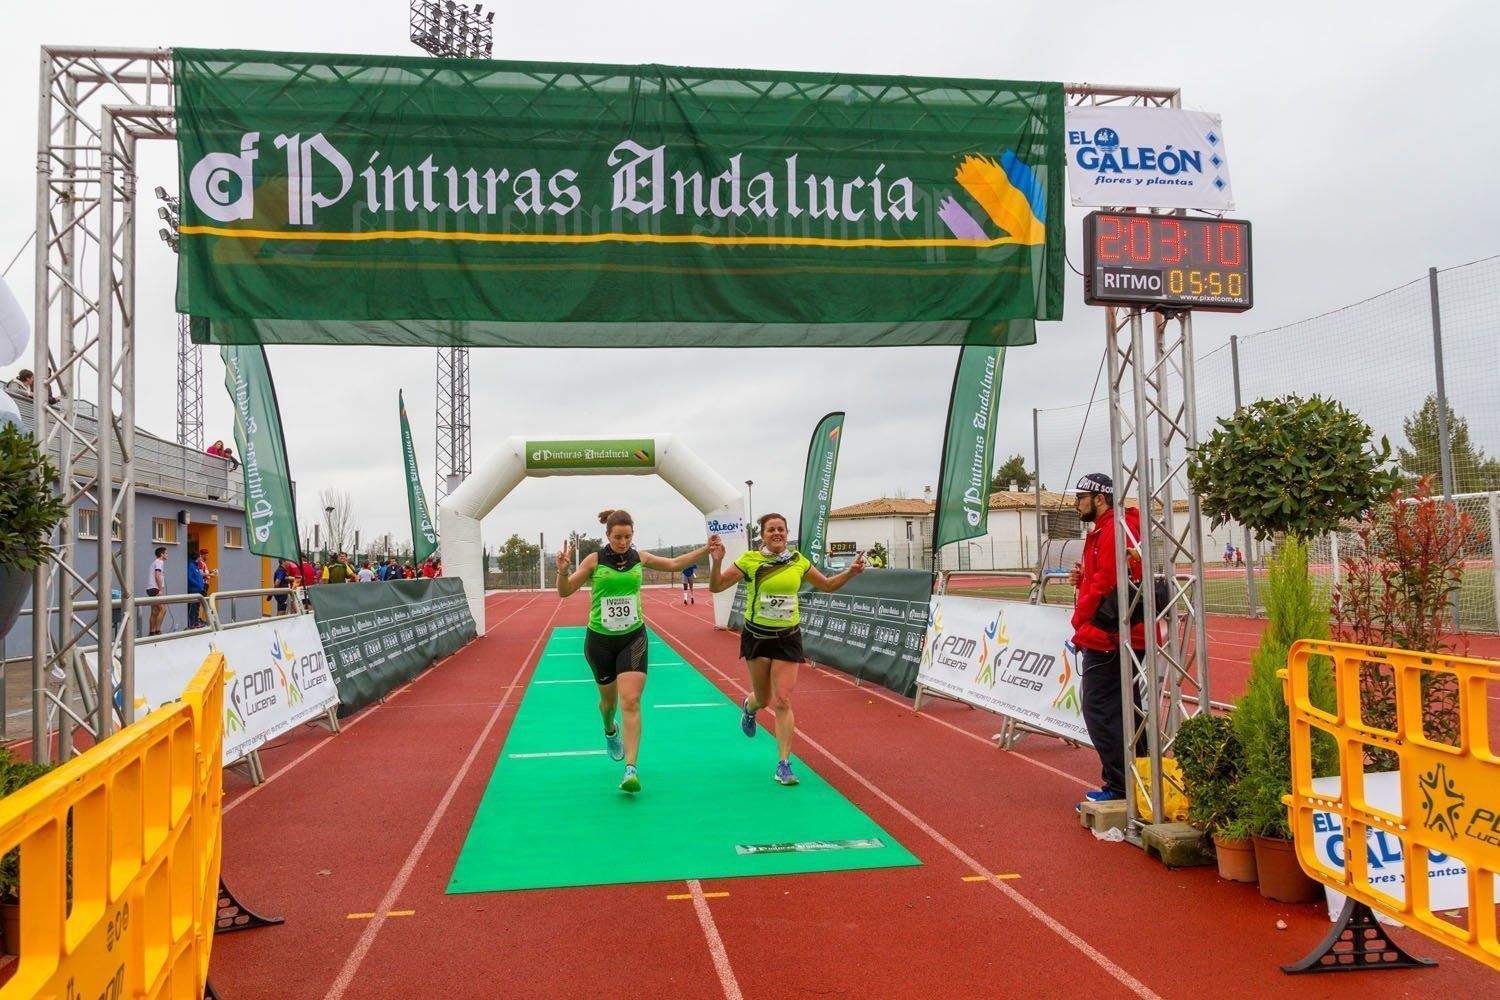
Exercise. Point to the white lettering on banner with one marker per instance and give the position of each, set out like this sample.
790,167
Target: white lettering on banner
1014,659
222,186
277,677
1147,158
1447,876
977,493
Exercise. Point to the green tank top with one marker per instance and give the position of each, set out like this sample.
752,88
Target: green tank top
615,597
771,590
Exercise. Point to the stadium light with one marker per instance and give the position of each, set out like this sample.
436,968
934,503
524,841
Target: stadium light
452,30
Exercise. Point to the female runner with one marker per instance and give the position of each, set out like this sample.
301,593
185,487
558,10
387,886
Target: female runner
615,642
771,641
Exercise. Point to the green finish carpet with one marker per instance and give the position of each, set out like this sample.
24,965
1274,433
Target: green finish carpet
553,815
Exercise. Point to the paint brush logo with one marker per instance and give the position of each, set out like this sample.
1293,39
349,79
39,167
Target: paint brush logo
1008,191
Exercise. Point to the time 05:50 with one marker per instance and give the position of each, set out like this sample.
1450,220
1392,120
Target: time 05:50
1194,282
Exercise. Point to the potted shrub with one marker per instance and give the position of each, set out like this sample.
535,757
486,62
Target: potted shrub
28,512
1289,469
1209,755
14,775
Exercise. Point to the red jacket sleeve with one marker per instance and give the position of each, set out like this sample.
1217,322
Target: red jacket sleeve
1098,575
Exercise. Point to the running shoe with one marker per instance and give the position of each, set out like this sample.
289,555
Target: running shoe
784,773
614,745
1103,795
631,782
747,718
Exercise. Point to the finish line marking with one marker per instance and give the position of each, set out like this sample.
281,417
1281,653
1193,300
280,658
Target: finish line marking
392,913
556,753
862,844
696,704
583,680
986,878
706,895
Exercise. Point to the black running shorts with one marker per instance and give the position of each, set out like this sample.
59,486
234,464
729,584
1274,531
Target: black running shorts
773,643
612,655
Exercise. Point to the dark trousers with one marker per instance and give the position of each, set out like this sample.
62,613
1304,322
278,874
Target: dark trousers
1103,715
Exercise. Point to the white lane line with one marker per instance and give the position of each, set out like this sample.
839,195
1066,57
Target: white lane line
582,680
1104,962
730,985
556,753
388,902
697,704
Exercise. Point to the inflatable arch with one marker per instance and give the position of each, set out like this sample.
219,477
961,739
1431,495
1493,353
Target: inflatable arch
662,455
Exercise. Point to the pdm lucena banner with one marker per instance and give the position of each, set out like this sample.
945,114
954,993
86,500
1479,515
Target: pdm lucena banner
391,200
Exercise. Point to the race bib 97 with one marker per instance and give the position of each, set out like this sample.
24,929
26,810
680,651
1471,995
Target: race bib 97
619,614
777,607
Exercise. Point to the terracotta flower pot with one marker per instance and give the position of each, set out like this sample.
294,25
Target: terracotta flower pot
1236,858
10,922
1281,876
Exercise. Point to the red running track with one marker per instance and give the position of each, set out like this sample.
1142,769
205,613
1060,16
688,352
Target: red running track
353,838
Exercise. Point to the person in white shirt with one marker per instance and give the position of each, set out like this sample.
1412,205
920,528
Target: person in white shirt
366,574
158,586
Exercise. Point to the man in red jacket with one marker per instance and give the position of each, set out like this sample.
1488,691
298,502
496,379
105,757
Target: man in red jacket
1098,647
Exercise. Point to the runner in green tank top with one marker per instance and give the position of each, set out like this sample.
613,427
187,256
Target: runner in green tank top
615,642
771,638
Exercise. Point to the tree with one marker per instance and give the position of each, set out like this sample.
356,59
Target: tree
1473,472
518,555
339,522
1291,466
1013,471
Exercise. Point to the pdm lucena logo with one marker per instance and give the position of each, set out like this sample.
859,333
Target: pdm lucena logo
1441,801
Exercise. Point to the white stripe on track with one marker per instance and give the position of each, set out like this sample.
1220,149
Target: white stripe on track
1104,962
697,704
715,943
388,901
570,680
555,753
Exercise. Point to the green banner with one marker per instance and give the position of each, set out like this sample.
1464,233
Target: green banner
380,635
963,497
270,510
817,488
392,200
872,628
423,534
626,453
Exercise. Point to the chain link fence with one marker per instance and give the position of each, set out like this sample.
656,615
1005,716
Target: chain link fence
1379,357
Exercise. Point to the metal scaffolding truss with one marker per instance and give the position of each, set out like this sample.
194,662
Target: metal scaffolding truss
95,105
189,387
1153,430
454,441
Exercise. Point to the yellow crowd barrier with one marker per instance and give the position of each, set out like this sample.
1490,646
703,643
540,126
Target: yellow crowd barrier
1450,795
120,856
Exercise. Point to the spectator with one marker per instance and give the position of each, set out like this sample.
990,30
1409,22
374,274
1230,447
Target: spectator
1228,553
216,449
155,587
366,574
309,574
428,572
25,383
339,570
234,463
197,583
392,569
283,580
1101,661
1239,557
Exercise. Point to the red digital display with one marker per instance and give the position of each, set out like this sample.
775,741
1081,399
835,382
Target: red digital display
1167,261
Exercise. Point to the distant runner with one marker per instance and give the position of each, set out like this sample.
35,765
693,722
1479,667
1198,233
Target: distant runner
687,583
615,643
771,641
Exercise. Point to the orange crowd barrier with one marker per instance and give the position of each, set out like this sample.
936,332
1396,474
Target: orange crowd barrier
1448,813
120,852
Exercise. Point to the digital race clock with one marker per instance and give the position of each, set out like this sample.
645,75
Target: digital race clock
1166,262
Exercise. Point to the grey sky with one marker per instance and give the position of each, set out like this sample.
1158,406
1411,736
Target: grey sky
1359,140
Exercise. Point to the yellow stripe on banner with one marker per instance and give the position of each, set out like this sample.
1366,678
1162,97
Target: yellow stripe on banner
986,878
433,234
706,895
371,916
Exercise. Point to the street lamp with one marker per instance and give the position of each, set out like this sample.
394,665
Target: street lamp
328,512
749,511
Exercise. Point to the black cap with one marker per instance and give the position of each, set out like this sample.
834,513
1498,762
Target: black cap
1096,482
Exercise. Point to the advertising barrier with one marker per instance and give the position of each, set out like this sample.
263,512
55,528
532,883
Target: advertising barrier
277,678
1443,801
380,635
143,809
872,628
1014,659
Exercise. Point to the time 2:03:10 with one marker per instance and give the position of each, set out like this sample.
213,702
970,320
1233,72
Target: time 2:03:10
1195,282
1132,238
